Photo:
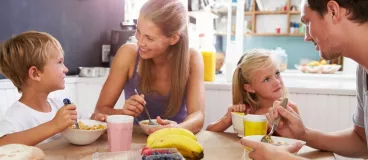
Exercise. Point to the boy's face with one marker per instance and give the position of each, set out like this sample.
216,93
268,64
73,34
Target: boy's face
54,71
267,83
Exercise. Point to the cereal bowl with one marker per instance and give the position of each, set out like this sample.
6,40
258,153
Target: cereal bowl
277,141
237,119
90,131
144,125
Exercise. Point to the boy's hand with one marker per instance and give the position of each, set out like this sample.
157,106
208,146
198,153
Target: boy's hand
99,117
65,117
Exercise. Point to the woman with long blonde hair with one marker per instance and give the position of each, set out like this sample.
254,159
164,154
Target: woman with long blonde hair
257,85
166,73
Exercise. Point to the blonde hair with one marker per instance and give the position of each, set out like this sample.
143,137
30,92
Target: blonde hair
171,17
250,62
23,51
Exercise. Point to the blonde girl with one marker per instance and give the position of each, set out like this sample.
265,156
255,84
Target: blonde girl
257,85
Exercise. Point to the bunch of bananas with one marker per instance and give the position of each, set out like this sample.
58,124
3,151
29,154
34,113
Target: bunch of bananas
179,138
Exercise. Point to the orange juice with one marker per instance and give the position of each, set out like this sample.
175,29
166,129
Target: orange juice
255,125
209,60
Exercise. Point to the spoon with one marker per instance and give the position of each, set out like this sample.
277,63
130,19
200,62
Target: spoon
66,102
267,138
150,122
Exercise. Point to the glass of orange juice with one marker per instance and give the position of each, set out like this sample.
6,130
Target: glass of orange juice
255,125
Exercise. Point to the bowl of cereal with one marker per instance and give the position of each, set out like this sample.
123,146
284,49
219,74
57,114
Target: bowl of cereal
277,141
88,132
237,120
145,126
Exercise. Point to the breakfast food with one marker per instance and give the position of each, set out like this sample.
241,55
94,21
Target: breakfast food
83,126
318,67
20,152
181,139
158,154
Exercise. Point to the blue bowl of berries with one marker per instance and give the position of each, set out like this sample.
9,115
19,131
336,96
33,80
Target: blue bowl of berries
161,154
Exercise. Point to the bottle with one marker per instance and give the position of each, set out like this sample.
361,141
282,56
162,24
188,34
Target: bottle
208,51
281,57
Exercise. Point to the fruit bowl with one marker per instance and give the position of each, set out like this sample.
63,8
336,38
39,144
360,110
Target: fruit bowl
324,69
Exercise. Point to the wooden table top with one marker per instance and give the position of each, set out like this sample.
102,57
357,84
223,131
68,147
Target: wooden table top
217,145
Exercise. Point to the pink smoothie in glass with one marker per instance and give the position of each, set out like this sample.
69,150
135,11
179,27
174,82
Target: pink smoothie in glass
119,135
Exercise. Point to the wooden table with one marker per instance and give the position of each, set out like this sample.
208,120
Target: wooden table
217,145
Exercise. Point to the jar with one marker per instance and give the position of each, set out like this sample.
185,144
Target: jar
281,58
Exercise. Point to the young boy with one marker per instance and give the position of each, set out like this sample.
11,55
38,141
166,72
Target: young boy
34,62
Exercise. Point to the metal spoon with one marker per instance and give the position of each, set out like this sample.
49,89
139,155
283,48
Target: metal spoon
267,138
66,102
150,122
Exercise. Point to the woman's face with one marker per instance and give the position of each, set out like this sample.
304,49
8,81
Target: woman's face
151,41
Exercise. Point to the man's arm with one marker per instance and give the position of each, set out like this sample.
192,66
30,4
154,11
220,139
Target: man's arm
350,142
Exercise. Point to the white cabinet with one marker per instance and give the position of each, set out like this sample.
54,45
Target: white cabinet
88,95
7,97
88,91
318,111
217,103
320,108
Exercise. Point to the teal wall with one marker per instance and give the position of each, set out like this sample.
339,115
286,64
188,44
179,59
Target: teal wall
295,47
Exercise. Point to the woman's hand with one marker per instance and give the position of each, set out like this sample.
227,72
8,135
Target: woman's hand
164,123
134,105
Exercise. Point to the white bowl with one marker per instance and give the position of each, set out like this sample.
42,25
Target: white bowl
144,125
276,139
237,119
330,69
84,137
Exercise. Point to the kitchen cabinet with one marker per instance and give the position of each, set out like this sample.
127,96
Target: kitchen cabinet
325,102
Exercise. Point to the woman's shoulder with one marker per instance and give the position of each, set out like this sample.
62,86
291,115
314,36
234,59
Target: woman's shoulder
194,56
130,48
127,53
195,59
193,52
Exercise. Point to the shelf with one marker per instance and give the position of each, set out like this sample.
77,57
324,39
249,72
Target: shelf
295,12
296,35
269,34
263,34
270,12
248,13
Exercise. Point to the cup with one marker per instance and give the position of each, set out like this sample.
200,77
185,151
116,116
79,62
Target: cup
119,132
254,125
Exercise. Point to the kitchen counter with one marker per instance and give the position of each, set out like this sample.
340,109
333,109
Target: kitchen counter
296,82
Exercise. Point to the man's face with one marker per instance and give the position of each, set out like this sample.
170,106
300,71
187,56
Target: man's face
321,31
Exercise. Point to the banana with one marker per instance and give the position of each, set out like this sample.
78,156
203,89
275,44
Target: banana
165,131
188,147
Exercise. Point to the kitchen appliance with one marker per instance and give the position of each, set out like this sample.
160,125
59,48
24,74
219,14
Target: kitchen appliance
120,37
